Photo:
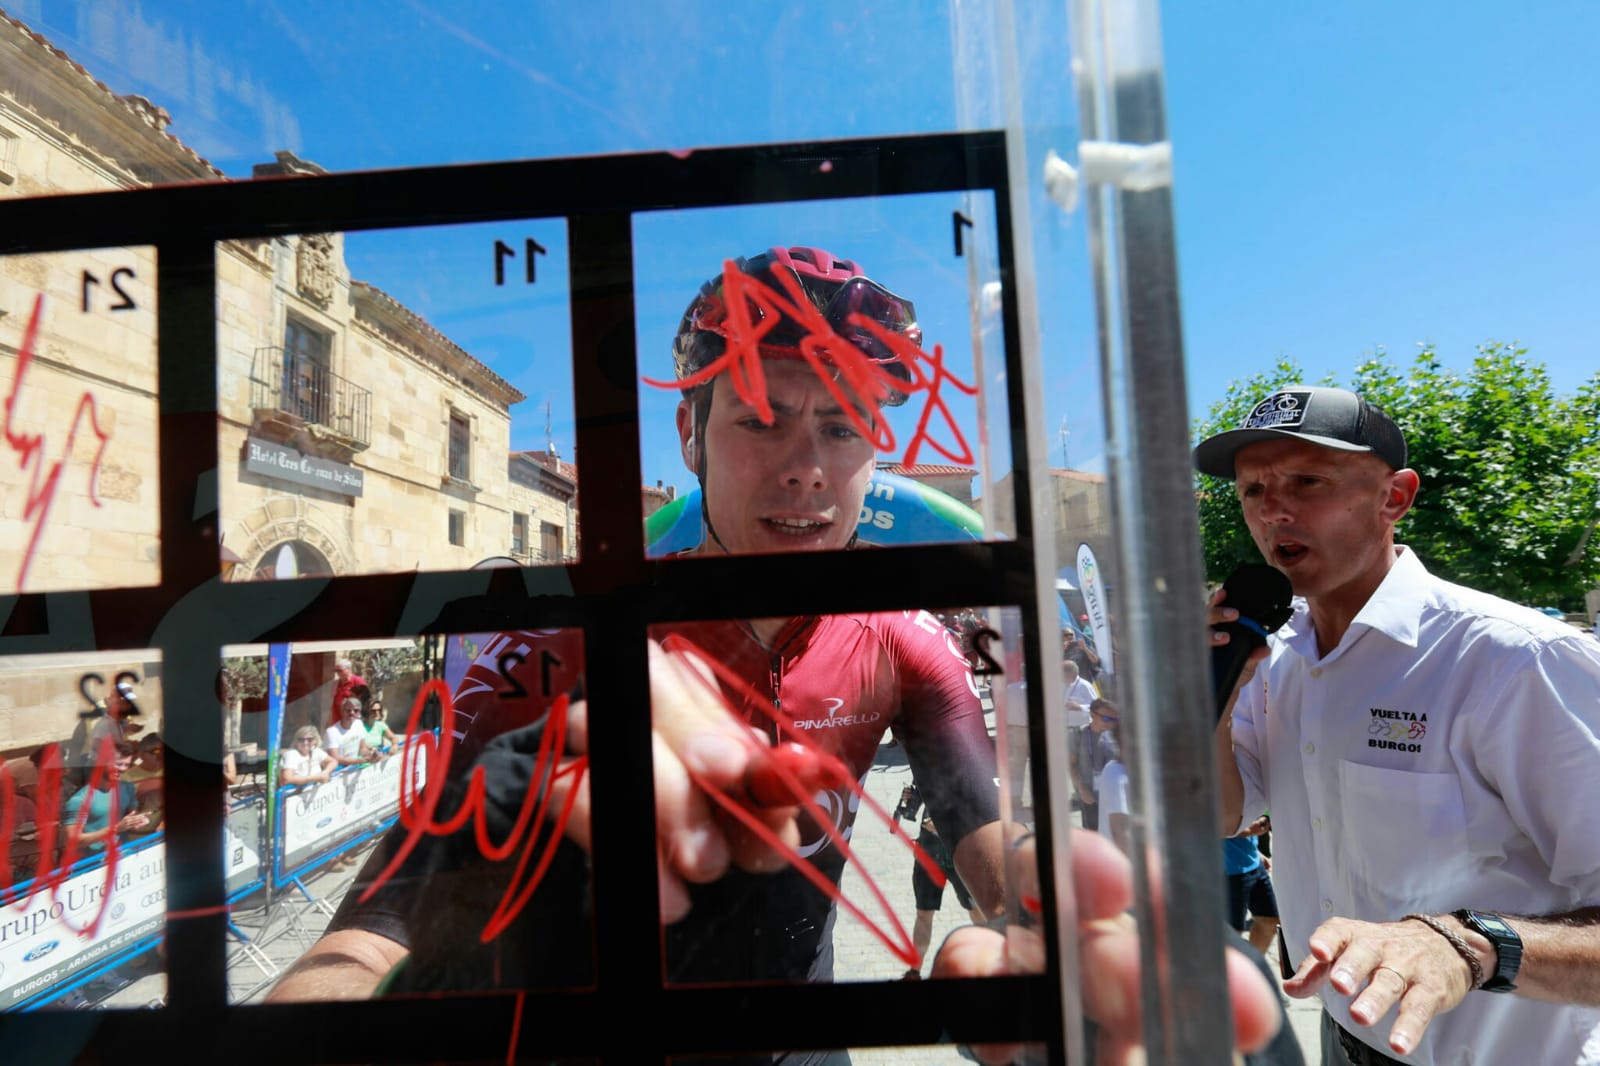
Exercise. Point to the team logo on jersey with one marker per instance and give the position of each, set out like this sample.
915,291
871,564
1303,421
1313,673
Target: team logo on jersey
832,718
1396,730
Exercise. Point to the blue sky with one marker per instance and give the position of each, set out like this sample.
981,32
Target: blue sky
1346,178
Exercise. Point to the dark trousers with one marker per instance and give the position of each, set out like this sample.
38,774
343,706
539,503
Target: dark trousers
1091,815
1340,1048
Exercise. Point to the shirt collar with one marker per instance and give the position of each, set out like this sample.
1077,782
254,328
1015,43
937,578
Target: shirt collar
1393,609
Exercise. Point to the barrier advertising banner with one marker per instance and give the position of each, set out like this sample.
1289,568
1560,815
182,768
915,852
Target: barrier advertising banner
312,819
45,939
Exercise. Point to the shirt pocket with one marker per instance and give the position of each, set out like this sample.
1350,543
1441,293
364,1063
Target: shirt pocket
1403,838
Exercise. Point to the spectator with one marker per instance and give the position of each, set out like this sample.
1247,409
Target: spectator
346,738
1078,651
1078,694
103,807
305,763
1252,905
379,739
1095,747
149,763
928,894
347,684
1111,784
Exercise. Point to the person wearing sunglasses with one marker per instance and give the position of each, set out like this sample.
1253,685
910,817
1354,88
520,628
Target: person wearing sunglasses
1094,745
306,762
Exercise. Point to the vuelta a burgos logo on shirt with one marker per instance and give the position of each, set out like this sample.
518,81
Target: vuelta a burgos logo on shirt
832,706
1396,730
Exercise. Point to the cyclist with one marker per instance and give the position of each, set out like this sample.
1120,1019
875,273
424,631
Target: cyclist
784,361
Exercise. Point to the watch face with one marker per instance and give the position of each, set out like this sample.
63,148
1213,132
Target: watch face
1494,925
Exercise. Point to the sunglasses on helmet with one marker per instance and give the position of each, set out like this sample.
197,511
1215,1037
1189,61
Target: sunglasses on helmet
836,301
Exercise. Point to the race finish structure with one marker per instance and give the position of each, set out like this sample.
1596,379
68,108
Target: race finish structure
510,550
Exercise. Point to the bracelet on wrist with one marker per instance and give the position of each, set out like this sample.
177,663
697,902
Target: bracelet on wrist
1462,947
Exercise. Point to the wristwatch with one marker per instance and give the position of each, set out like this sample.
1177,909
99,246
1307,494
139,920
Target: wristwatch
1507,947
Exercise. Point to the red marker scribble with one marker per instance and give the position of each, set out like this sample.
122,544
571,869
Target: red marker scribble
30,447
788,779
418,813
50,877
833,357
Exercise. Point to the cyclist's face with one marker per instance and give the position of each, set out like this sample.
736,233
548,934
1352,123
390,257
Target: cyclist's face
794,485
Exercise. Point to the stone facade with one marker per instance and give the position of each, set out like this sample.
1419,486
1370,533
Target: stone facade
353,436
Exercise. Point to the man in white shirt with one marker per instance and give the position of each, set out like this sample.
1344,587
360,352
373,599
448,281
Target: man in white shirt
1430,757
1079,694
344,737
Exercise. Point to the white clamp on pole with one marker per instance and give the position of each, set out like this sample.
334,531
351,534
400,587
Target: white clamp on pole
1129,167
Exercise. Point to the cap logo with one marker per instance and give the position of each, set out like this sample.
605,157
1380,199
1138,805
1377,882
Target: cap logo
1281,410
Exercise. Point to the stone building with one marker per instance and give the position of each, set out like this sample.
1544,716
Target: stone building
953,481
354,437
544,507
1081,509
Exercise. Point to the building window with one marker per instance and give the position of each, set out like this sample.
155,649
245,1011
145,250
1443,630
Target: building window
549,542
307,390
519,534
460,447
458,527
8,156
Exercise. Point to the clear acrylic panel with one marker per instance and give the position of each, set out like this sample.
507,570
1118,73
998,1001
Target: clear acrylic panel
389,400
442,256
80,497
83,887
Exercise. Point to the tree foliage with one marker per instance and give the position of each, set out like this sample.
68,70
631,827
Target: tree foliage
379,666
1510,472
243,678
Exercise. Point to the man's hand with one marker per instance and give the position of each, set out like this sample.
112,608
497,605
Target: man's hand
1381,965
698,746
1217,614
1109,946
132,821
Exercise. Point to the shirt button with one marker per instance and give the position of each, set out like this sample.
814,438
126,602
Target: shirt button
1327,904
1316,823
1311,748
1316,671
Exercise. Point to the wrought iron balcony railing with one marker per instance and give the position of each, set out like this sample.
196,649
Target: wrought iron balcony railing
312,393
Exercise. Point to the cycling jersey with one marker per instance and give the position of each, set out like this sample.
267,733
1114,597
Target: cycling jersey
839,681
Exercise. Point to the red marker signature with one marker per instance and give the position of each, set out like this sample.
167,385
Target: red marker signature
30,447
418,812
47,877
833,358
788,775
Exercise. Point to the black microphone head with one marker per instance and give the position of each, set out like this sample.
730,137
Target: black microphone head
1260,593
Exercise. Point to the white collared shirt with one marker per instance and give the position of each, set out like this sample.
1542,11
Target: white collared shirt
1443,755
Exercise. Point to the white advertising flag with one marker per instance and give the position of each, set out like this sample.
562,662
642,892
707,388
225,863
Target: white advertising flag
1094,601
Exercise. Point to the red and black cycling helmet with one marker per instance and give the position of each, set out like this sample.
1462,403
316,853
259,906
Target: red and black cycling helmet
836,287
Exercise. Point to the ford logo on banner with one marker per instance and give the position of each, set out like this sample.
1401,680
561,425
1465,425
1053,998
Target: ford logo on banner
41,951
326,821
116,910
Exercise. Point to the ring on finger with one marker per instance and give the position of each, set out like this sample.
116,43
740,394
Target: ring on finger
1405,982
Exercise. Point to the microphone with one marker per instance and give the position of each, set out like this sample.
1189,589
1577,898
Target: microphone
1262,597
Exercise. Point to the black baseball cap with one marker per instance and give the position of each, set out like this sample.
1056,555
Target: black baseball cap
1332,418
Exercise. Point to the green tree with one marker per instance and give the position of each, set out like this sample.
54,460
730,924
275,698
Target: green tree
1510,472
379,666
